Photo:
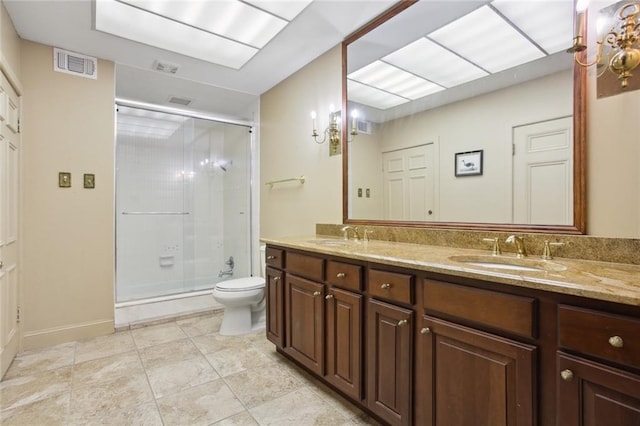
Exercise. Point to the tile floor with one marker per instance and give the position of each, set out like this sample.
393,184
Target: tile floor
178,373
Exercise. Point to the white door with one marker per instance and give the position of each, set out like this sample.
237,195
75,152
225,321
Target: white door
543,173
408,177
9,172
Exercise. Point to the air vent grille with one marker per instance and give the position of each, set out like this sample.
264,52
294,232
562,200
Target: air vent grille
179,101
166,67
364,127
75,63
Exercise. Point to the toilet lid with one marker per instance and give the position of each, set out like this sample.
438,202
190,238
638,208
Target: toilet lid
240,284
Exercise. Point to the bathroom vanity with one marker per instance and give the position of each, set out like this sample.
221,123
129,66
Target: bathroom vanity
426,335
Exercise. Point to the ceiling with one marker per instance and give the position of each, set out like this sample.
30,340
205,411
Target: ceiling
214,89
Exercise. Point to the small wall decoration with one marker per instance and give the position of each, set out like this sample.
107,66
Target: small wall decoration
468,163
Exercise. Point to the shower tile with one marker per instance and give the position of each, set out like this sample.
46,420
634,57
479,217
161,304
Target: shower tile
200,405
50,411
106,369
103,346
259,385
106,399
300,407
146,415
39,360
197,326
157,334
168,353
242,419
179,376
234,360
27,389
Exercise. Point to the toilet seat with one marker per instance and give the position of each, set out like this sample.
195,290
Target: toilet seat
241,284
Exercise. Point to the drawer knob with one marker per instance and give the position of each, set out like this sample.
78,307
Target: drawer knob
402,323
276,278
316,293
340,275
329,296
616,341
567,375
425,330
270,257
385,286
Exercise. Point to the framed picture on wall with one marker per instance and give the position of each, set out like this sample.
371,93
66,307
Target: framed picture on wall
468,163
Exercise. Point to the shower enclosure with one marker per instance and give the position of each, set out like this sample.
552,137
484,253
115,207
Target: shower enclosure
182,203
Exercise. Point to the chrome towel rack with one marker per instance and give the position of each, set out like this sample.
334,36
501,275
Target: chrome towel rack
300,179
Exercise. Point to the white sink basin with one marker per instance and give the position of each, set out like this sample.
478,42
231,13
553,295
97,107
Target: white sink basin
509,263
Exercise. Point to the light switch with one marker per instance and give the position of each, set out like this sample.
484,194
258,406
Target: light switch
359,192
89,180
64,180
368,193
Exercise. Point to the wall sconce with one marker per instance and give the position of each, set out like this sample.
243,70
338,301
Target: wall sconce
333,130
622,41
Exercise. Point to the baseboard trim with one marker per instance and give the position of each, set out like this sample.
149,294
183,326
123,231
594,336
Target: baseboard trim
66,333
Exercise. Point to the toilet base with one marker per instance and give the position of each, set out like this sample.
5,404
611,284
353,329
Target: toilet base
239,320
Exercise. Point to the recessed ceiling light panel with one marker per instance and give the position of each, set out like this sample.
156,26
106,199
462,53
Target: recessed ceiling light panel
394,80
376,98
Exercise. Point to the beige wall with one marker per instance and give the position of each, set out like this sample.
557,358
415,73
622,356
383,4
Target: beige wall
287,150
9,42
68,233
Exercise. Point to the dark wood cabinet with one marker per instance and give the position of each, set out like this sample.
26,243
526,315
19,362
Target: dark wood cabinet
592,394
344,341
304,322
275,306
476,378
390,361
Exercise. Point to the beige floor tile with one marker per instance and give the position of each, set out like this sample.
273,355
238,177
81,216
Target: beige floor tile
200,405
27,389
50,411
157,334
234,360
242,419
300,407
215,342
261,384
39,360
102,400
169,353
265,346
339,404
179,376
106,369
142,415
103,346
197,326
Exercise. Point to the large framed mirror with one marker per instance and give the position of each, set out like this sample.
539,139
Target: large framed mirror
470,115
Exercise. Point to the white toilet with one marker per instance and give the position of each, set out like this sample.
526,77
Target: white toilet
244,302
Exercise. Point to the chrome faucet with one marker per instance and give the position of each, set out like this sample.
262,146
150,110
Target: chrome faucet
518,241
345,230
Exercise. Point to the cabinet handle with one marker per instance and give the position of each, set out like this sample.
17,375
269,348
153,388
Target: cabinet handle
270,257
402,323
329,296
276,278
616,341
340,275
425,330
567,375
385,286
316,293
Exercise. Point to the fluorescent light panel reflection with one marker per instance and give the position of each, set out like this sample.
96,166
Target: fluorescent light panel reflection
392,79
285,9
548,23
376,98
487,40
448,71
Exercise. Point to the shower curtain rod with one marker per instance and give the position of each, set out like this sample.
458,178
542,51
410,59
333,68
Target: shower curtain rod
192,114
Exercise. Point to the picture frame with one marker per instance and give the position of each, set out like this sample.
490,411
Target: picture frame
468,163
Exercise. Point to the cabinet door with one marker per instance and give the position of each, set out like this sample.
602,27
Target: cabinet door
275,306
389,352
304,322
475,378
592,394
344,341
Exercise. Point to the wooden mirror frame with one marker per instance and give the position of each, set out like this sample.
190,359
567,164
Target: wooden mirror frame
579,151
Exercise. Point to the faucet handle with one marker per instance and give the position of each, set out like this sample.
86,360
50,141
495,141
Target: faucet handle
546,251
367,232
495,248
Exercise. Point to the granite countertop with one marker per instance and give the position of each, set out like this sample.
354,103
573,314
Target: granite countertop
613,282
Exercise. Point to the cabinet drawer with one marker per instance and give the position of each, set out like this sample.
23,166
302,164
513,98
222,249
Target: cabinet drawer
306,266
514,314
344,275
391,285
274,257
612,337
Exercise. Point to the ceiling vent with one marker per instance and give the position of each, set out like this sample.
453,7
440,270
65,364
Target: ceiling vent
75,63
166,67
179,101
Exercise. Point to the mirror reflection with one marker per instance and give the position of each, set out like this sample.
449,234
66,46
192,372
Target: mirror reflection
465,114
